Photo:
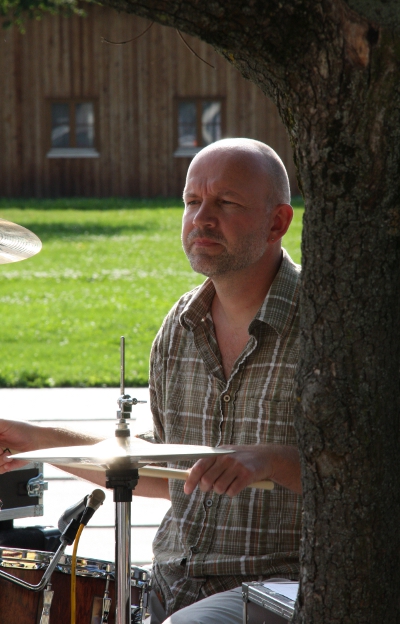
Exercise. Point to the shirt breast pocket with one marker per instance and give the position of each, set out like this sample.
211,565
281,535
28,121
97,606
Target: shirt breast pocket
265,422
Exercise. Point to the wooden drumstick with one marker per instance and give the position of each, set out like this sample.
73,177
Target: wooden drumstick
174,473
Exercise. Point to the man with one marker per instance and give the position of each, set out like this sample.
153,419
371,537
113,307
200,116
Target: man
221,374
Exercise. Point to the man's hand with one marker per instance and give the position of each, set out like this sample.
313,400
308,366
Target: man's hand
230,474
20,437
16,437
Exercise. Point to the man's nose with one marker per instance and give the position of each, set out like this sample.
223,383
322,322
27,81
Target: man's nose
205,215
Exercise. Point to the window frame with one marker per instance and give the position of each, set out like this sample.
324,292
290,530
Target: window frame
72,151
183,152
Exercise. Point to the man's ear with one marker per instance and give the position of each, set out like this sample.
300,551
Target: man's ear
281,218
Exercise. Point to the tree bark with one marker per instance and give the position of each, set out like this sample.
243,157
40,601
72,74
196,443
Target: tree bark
348,382
335,77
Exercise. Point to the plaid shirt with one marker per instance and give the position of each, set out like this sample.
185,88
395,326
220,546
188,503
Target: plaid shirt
209,542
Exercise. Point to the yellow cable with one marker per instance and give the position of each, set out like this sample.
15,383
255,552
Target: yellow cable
73,574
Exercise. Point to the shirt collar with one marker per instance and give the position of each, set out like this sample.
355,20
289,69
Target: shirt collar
277,307
198,305
282,298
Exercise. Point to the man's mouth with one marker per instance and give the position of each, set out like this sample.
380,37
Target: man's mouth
200,239
204,242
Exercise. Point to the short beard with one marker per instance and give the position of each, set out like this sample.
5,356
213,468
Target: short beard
248,251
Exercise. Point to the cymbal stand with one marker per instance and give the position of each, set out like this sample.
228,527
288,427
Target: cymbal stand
123,477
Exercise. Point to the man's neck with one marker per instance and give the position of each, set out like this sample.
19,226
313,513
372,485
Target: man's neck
237,300
238,296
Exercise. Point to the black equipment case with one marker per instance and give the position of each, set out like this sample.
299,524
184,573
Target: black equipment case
263,605
21,492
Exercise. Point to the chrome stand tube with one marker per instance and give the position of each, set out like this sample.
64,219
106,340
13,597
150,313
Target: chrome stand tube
123,562
122,477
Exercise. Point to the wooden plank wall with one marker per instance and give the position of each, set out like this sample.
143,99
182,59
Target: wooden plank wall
135,85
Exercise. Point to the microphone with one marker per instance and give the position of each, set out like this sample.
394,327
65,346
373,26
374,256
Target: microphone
95,500
72,513
78,514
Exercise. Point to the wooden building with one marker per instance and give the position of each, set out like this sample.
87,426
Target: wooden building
82,117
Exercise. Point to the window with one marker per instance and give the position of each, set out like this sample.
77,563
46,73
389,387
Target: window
73,129
199,123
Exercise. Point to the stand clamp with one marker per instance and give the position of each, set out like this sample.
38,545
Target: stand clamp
122,481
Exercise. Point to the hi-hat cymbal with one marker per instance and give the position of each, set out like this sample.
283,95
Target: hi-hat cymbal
16,242
119,450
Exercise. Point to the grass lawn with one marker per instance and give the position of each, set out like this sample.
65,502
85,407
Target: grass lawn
108,268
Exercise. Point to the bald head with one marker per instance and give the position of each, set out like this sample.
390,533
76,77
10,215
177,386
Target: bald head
256,157
236,208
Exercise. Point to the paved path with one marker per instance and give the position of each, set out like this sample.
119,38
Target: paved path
86,409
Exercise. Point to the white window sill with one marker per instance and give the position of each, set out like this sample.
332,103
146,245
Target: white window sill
185,152
72,152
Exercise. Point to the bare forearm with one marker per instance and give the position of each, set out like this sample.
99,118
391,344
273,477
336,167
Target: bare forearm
50,437
20,437
149,487
152,488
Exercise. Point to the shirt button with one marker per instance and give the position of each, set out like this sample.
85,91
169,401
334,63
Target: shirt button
209,502
227,398
194,550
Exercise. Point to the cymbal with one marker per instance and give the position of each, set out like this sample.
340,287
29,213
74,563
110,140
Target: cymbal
113,451
16,242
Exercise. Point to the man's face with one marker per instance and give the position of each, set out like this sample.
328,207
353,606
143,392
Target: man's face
226,220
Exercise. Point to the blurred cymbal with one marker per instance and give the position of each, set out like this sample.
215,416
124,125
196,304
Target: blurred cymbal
113,451
16,242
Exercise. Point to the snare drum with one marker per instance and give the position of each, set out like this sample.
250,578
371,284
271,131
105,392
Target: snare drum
24,606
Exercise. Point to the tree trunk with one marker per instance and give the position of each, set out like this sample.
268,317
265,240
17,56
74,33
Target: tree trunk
335,78
348,382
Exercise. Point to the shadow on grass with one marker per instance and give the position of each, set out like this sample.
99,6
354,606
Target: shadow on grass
90,203
49,231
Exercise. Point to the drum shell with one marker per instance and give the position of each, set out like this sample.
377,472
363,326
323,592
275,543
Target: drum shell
23,606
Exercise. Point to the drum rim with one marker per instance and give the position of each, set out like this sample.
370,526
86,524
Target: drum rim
94,568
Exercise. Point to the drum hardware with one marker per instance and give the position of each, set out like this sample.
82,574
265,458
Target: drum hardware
105,610
36,486
16,242
47,600
137,614
122,480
